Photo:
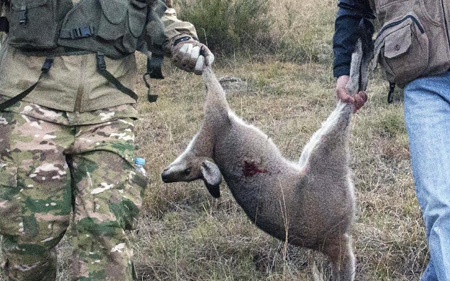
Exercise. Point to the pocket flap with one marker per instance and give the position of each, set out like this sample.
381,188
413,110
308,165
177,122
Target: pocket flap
17,5
114,10
398,42
137,20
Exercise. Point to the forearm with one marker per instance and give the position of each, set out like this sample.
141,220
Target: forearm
350,13
182,43
174,27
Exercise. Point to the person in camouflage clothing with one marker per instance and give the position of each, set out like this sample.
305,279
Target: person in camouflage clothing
67,154
54,161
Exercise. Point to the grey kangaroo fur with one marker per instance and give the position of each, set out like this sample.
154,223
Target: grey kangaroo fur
311,203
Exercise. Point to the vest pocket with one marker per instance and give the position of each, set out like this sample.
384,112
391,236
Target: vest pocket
137,20
112,21
32,24
402,49
122,21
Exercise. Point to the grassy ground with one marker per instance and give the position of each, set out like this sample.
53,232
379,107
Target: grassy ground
184,234
187,235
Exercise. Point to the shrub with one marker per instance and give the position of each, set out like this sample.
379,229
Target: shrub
228,26
297,31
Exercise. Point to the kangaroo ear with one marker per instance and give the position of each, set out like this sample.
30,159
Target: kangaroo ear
211,177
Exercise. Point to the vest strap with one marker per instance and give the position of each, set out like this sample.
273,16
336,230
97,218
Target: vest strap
154,71
101,68
154,65
44,70
4,25
391,92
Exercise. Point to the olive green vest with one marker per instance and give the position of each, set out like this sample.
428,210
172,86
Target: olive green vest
414,38
115,28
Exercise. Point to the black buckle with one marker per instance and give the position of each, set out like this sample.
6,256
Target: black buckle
101,64
82,32
47,65
23,17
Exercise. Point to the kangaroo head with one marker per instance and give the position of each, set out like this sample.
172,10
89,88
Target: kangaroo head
189,167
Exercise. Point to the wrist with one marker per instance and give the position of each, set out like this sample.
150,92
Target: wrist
342,81
182,39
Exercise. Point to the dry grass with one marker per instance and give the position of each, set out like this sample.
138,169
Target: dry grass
303,29
185,234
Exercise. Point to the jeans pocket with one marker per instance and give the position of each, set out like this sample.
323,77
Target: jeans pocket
10,206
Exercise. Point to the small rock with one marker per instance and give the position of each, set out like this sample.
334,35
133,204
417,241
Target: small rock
233,84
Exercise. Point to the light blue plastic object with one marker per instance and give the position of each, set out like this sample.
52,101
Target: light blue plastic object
139,161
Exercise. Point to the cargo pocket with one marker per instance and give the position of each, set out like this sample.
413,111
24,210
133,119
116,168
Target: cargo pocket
32,24
127,209
402,49
122,22
10,206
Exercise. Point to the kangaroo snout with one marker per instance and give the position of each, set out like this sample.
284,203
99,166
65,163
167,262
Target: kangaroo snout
165,177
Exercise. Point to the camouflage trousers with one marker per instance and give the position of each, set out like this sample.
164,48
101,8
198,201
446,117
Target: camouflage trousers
57,166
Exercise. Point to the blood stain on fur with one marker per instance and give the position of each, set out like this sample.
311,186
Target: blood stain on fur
250,169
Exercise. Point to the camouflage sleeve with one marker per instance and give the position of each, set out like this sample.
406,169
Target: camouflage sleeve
174,27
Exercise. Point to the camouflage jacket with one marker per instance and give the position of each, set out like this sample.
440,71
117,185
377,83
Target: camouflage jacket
73,83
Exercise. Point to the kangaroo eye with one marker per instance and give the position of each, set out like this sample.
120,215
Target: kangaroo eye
187,171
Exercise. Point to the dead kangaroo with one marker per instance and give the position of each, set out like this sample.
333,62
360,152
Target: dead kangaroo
311,203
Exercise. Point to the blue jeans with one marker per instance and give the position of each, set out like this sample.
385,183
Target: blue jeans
427,117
